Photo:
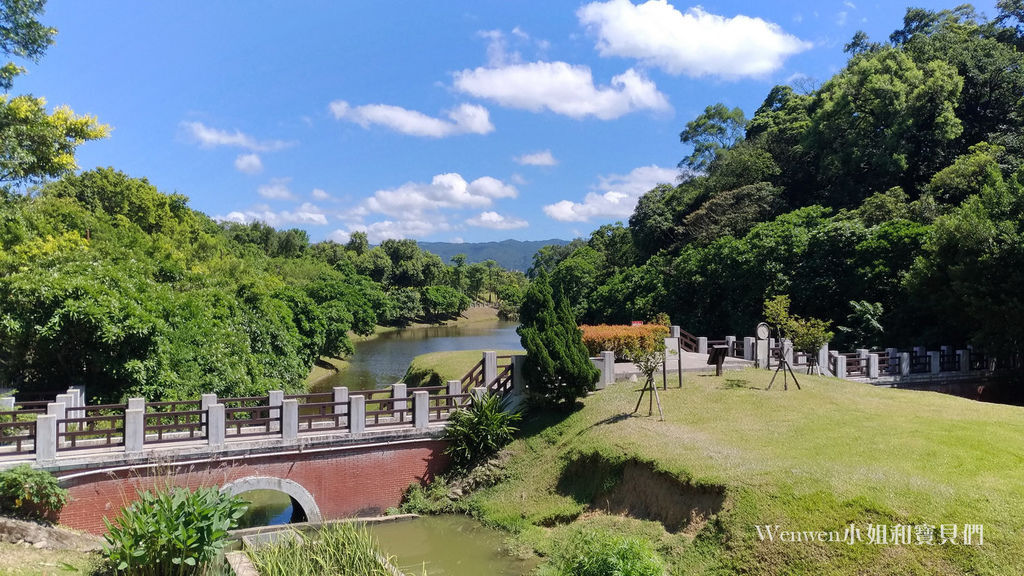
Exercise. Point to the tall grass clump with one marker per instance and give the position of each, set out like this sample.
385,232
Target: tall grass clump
343,549
171,532
599,552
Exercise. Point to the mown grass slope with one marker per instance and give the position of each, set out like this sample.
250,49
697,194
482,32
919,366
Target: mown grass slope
816,459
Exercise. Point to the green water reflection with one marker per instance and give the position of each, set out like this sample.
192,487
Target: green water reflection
449,546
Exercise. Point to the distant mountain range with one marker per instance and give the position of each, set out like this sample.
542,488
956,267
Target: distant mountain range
509,254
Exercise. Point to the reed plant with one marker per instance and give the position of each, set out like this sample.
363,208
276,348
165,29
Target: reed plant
342,549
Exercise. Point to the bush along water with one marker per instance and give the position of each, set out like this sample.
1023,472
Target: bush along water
171,532
30,494
599,552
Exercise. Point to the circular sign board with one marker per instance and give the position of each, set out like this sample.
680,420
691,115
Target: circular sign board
763,331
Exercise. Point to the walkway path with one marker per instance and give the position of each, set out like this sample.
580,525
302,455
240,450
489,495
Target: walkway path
692,362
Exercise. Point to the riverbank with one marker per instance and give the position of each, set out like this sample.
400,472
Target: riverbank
730,457
327,368
473,315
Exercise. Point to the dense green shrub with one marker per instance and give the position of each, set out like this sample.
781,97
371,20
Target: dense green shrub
594,552
31,494
557,369
342,549
175,531
479,431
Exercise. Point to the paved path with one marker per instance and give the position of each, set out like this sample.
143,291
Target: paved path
692,362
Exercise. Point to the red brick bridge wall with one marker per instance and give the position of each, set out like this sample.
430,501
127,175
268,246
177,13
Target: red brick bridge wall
344,482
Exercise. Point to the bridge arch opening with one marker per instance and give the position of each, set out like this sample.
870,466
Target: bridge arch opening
278,501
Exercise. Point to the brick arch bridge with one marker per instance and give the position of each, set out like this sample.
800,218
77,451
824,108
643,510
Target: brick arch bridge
335,454
328,480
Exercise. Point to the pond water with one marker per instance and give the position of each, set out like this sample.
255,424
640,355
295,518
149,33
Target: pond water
381,361
448,546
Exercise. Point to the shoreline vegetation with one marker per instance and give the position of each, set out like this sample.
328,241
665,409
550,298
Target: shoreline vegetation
328,367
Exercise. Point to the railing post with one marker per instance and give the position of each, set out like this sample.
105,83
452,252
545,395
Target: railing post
762,354
748,347
357,414
478,393
340,400
399,393
823,358
454,389
904,364
205,401
872,366
274,399
840,365
289,420
75,398
933,360
673,332
518,385
702,344
46,438
490,368
730,342
420,409
80,390
7,404
965,360
215,424
137,404
59,411
134,429
607,368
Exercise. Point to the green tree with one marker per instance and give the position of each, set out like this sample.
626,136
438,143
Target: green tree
22,36
557,369
35,145
716,129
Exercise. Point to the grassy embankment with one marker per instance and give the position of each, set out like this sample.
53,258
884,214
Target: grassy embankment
730,456
328,367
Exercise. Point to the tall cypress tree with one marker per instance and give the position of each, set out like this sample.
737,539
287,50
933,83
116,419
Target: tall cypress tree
557,370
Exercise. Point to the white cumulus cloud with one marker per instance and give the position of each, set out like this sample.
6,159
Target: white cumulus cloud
563,89
306,213
276,189
695,42
615,196
496,221
208,137
249,163
378,232
463,119
543,158
445,191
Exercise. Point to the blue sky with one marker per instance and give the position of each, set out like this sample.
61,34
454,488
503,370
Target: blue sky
451,121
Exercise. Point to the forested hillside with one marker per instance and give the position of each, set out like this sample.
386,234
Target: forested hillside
106,282
888,200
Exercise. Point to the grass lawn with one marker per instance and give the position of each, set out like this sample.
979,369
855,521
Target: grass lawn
21,560
730,456
439,367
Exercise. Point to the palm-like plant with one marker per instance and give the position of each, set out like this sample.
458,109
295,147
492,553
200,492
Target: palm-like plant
479,431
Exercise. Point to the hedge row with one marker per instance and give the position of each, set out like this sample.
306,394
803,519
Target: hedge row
620,339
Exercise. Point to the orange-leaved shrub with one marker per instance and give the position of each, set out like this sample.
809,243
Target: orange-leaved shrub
621,338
